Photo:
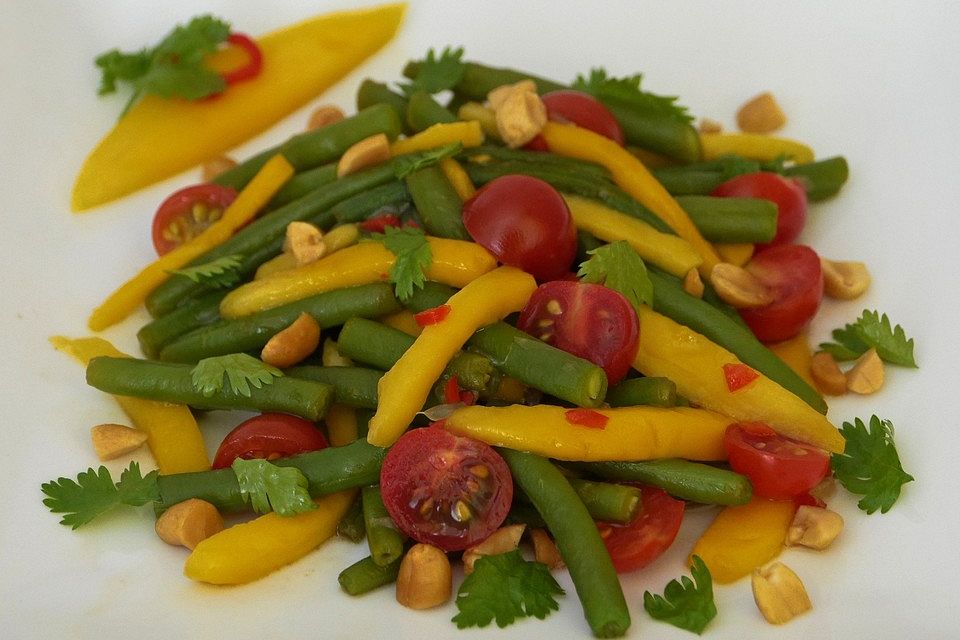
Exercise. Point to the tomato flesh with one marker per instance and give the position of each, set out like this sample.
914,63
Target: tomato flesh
525,223
792,274
778,468
590,321
636,544
445,490
269,436
186,213
581,109
788,195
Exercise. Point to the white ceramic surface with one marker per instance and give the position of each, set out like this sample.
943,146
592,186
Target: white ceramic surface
874,81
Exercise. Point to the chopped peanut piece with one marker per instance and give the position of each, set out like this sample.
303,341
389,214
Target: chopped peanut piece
502,540
692,283
867,374
828,376
844,280
520,113
814,527
425,579
288,347
305,242
545,550
738,287
779,593
322,116
709,126
762,114
331,356
825,488
114,440
213,168
366,153
499,95
188,523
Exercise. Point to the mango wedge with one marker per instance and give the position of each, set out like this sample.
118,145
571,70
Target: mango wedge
159,138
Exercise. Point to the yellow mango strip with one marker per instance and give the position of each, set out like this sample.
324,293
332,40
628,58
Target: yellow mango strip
159,138
631,433
696,364
797,354
249,551
339,237
631,176
755,146
738,253
341,424
404,388
282,262
458,178
469,134
671,253
133,292
403,321
172,432
455,263
744,537
486,117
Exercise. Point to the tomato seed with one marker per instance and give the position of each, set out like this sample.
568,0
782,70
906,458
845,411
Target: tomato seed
554,307
461,512
480,470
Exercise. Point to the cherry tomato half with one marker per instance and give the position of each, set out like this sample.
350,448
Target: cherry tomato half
588,320
634,545
269,435
525,223
779,468
792,273
581,109
788,195
187,213
445,490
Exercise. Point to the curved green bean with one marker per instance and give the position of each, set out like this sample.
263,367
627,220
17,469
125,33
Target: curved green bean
383,537
366,575
353,386
423,112
303,183
390,196
732,219
438,204
485,153
351,524
687,480
159,332
371,93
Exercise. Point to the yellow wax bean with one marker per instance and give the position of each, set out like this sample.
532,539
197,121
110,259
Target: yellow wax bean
755,146
469,134
458,178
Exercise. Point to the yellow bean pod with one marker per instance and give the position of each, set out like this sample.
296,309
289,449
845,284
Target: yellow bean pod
755,146
467,133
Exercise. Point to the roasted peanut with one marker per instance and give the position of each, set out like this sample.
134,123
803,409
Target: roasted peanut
519,111
814,527
188,523
304,242
545,550
499,95
692,283
500,541
366,153
738,287
828,376
779,593
761,114
425,579
324,115
213,168
114,440
291,345
844,280
708,125
867,374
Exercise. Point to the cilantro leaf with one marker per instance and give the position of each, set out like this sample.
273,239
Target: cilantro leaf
505,587
627,91
618,266
685,603
268,487
870,465
407,164
409,245
94,493
872,330
241,370
216,274
438,74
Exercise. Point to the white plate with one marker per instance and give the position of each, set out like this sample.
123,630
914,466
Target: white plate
876,82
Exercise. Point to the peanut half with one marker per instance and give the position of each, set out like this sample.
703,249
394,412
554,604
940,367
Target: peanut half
828,376
502,540
519,111
291,345
844,280
304,242
325,115
761,114
188,523
213,168
366,153
867,374
814,527
738,287
779,593
114,440
425,579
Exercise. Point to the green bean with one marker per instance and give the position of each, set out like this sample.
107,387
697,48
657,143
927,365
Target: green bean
671,300
303,183
432,294
652,391
606,501
682,181
383,537
820,179
327,471
541,366
353,386
251,333
168,382
392,196
156,334
437,202
313,148
732,219
373,93
423,112
351,524
687,480
366,575
481,154
478,80
524,513
578,540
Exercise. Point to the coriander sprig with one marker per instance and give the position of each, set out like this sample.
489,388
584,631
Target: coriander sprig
620,268
236,371
94,493
685,603
870,465
872,329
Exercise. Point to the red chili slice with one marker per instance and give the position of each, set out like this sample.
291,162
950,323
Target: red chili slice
738,375
586,418
254,59
428,317
377,224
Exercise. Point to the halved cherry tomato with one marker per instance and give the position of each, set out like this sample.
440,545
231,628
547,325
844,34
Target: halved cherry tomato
254,59
186,213
378,223
445,490
779,468
581,109
525,223
792,274
788,195
269,436
634,545
588,320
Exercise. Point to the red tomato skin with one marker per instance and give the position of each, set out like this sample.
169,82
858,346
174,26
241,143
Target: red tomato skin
788,195
269,435
792,273
581,109
594,323
424,475
180,203
635,545
525,223
778,468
